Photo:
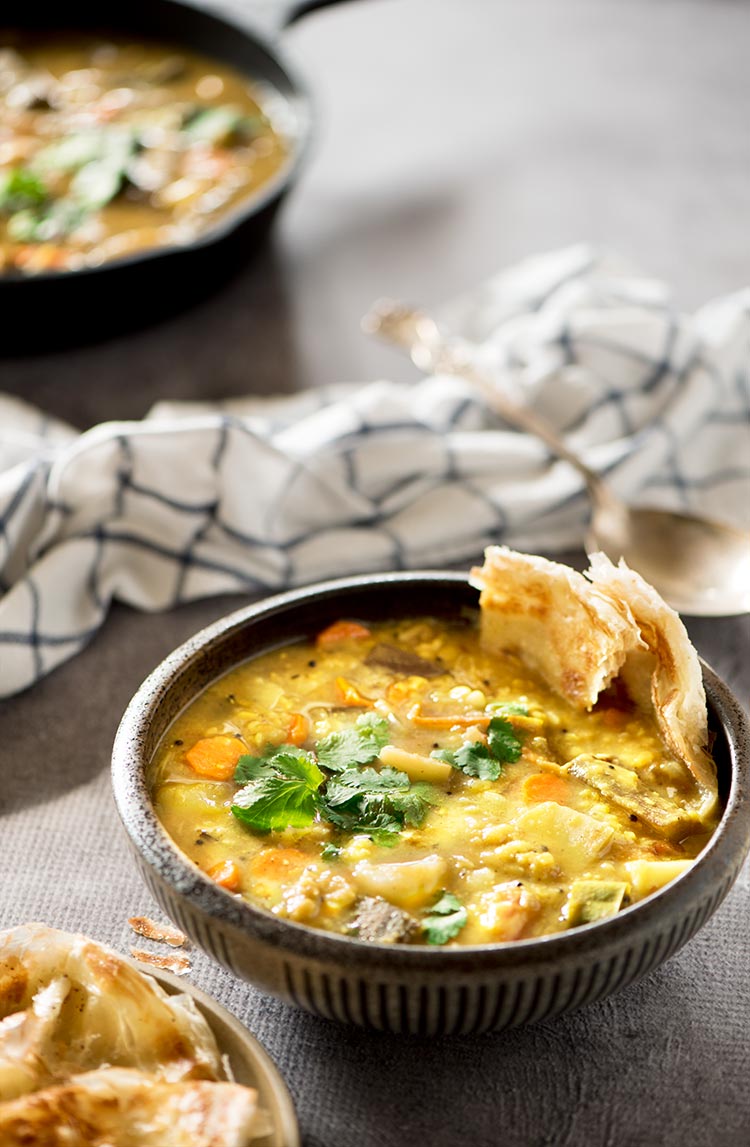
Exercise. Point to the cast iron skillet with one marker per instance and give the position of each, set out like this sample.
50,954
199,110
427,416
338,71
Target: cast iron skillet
47,310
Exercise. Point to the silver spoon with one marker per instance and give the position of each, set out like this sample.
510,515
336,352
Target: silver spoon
699,566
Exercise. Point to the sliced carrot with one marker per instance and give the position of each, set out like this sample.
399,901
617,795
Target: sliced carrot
399,691
546,787
278,864
298,729
227,873
215,757
42,257
350,695
341,631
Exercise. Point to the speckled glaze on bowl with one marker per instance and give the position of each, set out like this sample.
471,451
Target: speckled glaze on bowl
406,989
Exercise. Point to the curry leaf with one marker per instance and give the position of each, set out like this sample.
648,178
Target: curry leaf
445,919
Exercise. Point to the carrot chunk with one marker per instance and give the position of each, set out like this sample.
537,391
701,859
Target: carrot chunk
227,873
278,864
298,729
546,787
341,631
350,695
215,757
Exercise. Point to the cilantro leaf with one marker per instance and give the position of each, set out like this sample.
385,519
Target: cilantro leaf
504,742
376,803
275,803
370,793
285,759
445,919
509,709
280,790
382,828
330,852
251,769
485,761
473,758
359,745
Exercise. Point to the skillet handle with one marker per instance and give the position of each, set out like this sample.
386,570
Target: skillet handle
272,16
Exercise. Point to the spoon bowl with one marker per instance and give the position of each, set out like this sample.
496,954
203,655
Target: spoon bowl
701,567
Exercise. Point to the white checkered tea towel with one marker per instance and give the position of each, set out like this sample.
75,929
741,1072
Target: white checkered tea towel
257,494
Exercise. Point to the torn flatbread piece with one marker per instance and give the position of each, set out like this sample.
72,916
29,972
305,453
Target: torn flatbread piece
576,638
121,1107
68,1004
582,633
175,963
94,1053
159,933
672,671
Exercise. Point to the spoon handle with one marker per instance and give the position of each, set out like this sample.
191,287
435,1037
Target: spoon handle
417,333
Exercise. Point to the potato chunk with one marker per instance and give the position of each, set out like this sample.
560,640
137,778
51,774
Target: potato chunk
647,876
409,884
416,767
575,838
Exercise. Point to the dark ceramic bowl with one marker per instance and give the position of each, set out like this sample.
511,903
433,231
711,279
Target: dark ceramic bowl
409,989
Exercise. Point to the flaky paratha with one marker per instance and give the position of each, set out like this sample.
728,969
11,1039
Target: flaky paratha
121,1107
76,1020
581,632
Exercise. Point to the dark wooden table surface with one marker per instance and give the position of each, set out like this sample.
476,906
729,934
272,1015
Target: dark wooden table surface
455,136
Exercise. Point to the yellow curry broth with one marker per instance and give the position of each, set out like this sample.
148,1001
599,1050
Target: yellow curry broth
518,853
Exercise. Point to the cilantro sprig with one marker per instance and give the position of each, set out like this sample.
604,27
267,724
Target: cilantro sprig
359,745
445,919
377,803
486,761
280,789
286,786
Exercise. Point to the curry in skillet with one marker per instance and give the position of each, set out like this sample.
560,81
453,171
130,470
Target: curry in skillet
461,780
110,147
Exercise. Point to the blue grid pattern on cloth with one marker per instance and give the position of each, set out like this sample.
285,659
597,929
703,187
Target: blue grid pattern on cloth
257,494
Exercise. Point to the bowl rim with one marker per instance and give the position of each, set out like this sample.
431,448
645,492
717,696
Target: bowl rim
267,1076
162,854
299,99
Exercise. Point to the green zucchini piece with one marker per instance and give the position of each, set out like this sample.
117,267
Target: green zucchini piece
592,900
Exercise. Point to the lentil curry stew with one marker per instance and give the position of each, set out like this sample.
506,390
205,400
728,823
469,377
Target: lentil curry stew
110,146
412,781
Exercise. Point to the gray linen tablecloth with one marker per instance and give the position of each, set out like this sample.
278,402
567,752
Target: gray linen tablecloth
518,128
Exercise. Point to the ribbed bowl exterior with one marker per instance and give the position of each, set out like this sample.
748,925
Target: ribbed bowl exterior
411,990
468,1005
